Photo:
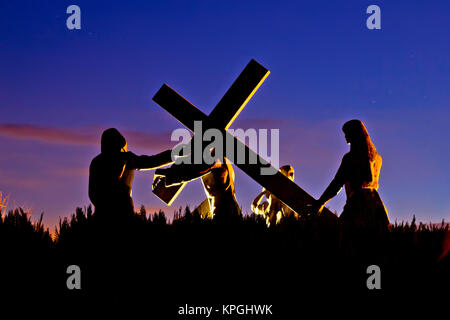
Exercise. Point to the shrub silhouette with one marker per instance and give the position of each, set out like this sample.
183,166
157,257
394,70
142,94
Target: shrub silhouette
191,255
17,230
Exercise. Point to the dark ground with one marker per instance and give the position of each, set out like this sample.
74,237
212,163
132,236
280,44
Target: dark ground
158,267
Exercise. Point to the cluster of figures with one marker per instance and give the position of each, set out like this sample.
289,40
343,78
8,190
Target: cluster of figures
111,174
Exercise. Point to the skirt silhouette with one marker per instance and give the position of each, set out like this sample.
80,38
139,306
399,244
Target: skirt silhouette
365,210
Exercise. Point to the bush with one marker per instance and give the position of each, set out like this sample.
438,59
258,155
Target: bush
145,250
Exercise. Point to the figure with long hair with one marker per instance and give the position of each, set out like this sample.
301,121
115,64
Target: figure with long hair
272,209
359,173
111,174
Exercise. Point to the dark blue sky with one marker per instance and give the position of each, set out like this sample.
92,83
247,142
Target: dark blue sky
60,88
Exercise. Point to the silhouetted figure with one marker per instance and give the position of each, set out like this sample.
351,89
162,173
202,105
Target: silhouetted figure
359,172
218,182
111,174
273,210
219,188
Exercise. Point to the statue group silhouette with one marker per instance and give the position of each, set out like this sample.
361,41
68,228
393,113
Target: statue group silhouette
111,175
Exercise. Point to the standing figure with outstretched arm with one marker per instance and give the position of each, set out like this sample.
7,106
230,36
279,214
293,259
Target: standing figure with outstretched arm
111,174
359,172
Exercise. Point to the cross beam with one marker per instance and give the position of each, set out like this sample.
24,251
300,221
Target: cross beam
278,184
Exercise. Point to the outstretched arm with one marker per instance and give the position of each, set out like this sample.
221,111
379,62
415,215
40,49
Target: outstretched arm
151,162
335,185
258,208
333,189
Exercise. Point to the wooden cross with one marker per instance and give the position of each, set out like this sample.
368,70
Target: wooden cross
221,118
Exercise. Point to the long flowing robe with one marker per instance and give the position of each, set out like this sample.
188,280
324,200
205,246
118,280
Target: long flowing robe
364,207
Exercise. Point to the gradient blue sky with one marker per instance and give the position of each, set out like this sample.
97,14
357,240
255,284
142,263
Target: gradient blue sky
59,89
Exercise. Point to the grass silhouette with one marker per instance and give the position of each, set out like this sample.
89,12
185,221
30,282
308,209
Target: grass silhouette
200,259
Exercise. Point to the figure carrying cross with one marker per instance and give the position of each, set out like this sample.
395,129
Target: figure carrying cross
221,118
218,183
272,209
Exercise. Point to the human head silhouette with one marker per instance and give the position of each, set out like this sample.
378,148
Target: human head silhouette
288,171
358,137
113,141
355,131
